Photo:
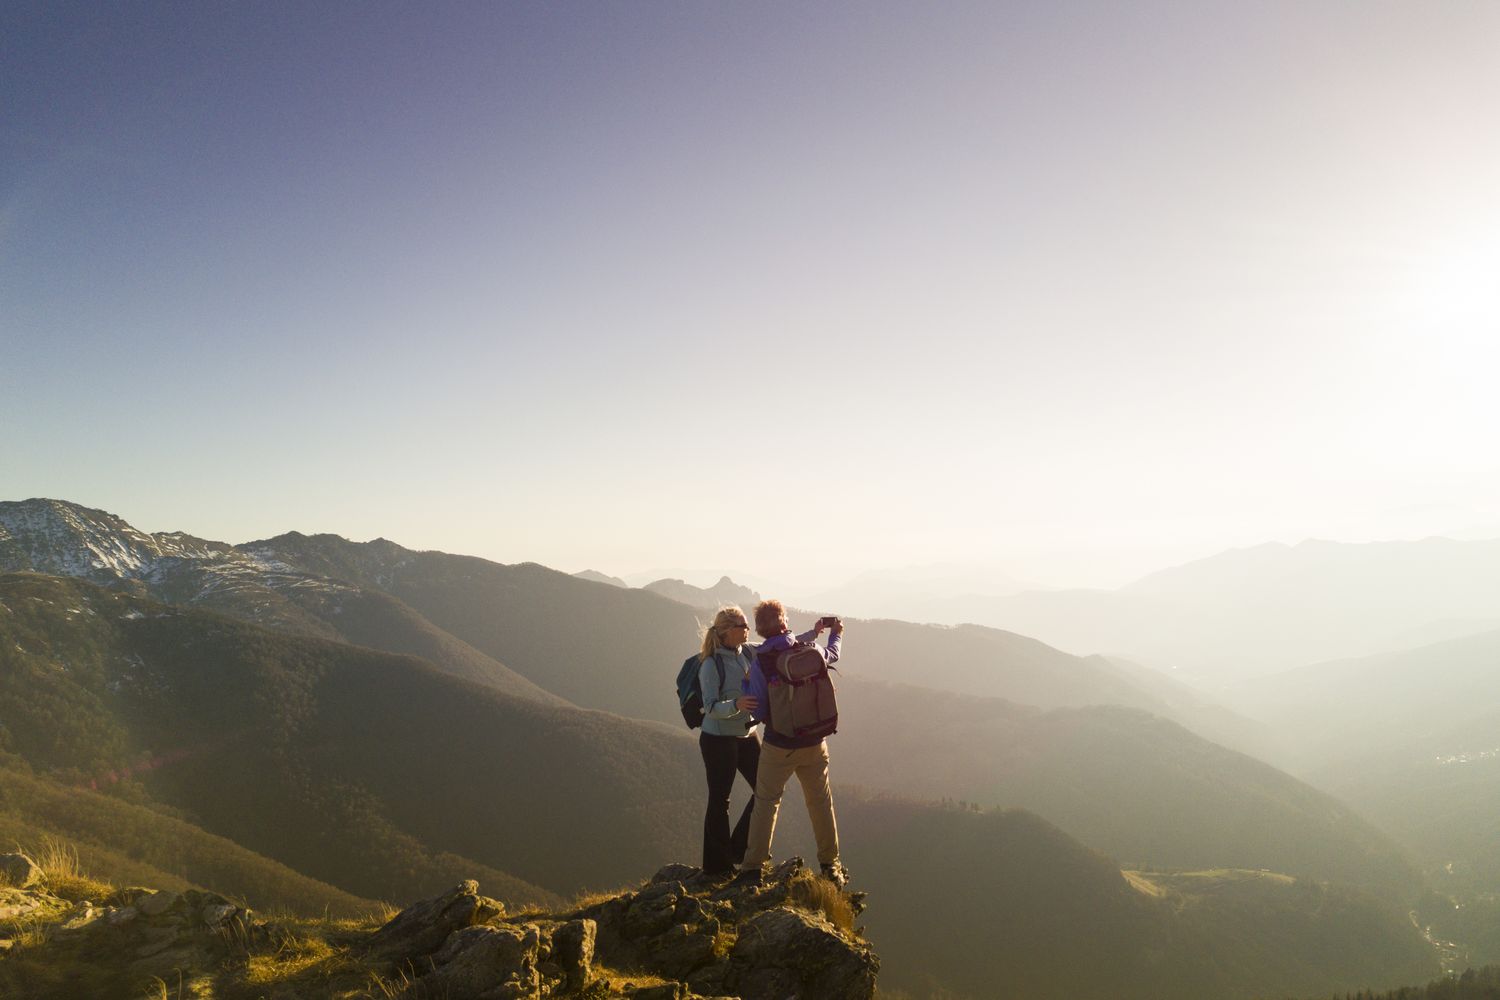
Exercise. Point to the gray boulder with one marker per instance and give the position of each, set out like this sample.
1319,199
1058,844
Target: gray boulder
680,951
496,963
157,903
676,872
423,927
19,871
786,945
653,910
573,951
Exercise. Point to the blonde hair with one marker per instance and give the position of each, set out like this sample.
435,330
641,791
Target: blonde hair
728,615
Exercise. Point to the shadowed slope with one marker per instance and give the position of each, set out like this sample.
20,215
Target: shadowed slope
370,771
1138,787
131,843
1005,904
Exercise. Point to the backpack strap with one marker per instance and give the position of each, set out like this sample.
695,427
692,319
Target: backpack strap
720,664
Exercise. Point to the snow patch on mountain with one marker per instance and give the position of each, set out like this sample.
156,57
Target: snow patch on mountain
64,539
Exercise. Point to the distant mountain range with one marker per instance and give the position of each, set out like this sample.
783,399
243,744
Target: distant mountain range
1412,739
1258,610
1428,696
1241,613
725,592
706,599
597,577
611,648
541,623
383,721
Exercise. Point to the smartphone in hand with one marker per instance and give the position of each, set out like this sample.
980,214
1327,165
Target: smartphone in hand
828,621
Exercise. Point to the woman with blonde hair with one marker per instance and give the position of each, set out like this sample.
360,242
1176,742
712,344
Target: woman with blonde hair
728,740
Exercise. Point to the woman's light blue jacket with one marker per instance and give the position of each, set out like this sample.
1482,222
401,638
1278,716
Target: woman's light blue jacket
720,717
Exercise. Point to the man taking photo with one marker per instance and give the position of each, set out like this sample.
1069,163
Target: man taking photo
793,745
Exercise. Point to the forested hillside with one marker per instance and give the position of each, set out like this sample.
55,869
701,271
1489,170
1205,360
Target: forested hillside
1014,907
1471,984
145,842
383,776
1139,787
286,745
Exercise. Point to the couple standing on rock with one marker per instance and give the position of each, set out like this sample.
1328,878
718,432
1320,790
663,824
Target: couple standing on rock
735,678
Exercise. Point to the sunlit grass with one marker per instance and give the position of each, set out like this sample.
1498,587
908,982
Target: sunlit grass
1143,885
818,895
583,900
620,980
63,875
27,932
724,942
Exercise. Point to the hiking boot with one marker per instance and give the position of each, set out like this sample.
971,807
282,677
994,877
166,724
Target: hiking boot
749,876
837,874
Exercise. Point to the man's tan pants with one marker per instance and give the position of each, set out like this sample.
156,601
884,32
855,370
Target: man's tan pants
810,765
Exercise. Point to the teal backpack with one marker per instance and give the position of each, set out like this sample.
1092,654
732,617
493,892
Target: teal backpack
690,692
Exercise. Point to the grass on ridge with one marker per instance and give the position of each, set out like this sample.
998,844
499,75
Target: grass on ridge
818,895
64,876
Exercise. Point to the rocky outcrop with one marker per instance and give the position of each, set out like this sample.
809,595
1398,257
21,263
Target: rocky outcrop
143,932
422,927
18,871
30,905
679,936
689,936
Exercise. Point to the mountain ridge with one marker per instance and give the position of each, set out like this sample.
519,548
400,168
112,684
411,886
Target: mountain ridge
63,539
541,620
1259,609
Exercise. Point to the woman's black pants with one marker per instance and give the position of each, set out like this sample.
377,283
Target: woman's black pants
722,756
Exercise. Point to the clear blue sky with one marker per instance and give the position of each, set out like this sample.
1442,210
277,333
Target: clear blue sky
1071,289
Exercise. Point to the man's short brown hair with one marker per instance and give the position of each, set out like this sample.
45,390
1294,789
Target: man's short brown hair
769,616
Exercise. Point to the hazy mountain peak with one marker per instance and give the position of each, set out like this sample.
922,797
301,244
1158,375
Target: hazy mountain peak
598,577
726,591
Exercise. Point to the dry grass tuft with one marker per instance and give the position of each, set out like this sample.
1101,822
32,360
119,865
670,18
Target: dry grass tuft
64,876
619,980
586,899
382,914
158,990
724,942
391,988
294,954
818,895
312,956
28,932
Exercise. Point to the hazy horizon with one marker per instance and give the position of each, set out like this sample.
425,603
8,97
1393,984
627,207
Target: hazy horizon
1068,292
